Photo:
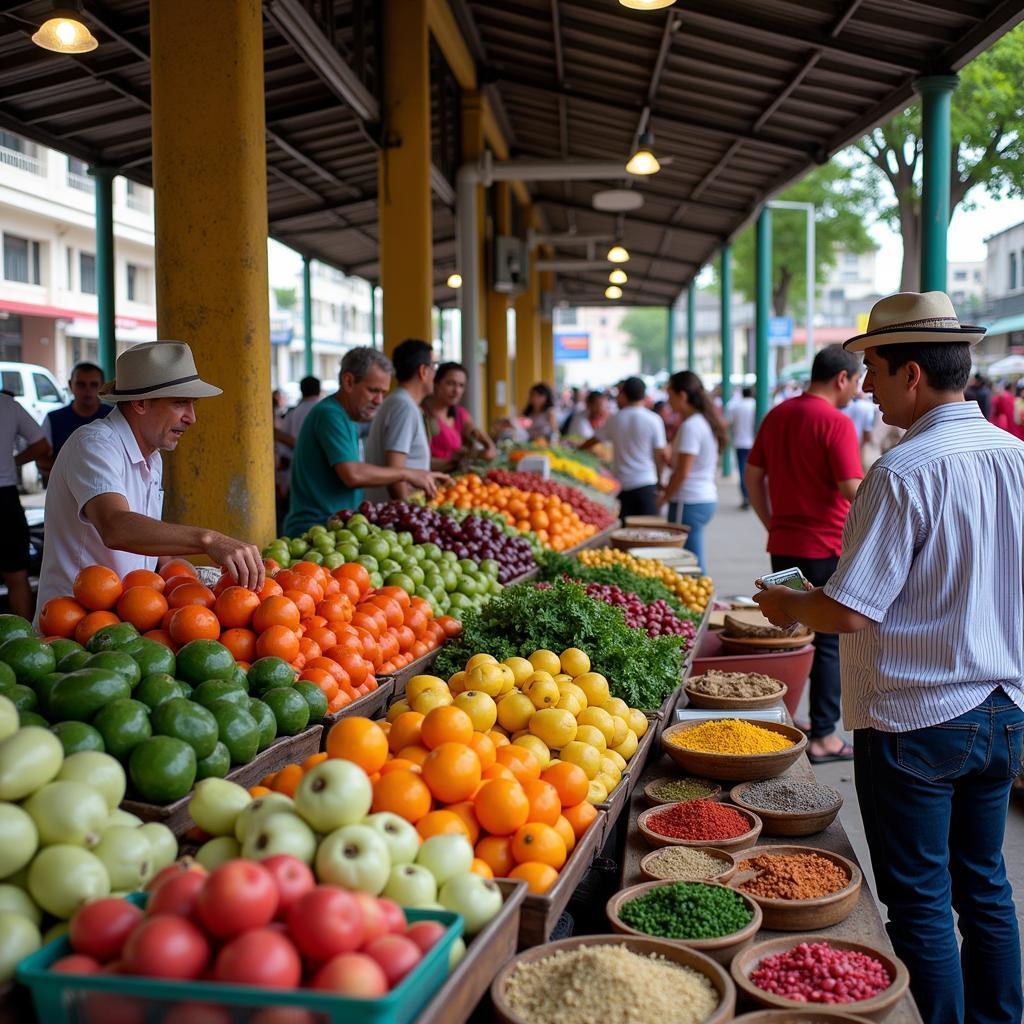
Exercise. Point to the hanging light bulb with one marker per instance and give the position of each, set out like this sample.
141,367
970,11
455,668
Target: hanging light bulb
643,161
454,280
618,254
613,291
65,31
646,5
617,276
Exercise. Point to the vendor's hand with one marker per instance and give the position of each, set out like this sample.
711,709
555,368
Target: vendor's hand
490,452
660,497
243,561
772,603
427,480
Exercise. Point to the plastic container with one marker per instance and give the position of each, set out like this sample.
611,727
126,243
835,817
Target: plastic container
100,998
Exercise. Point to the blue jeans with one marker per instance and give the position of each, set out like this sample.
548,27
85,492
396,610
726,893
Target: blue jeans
741,464
934,804
696,517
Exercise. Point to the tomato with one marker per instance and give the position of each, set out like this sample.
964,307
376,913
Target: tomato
325,922
166,947
76,963
238,895
177,895
259,957
99,929
173,870
375,921
293,879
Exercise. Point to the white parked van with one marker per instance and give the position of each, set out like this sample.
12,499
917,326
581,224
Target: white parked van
36,389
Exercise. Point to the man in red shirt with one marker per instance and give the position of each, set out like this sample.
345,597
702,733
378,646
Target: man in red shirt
802,474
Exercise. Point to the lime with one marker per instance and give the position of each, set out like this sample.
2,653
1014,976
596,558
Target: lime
265,720
73,660
378,547
239,676
152,657
238,731
290,709
188,721
44,687
214,690
12,626
76,736
186,688
315,698
32,718
199,660
116,661
30,658
80,694
266,673
62,647
401,579
111,638
7,676
157,688
22,697
215,765
123,724
162,769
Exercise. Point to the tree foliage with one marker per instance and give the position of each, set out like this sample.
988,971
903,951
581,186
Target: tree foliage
286,298
647,328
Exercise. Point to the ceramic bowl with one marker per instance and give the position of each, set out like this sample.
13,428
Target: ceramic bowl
741,842
788,823
734,767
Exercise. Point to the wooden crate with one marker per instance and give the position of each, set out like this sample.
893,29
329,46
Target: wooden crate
414,668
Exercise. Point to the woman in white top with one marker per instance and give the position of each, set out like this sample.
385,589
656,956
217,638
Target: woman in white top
691,491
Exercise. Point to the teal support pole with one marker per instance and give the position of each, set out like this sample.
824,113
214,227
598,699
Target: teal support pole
670,339
105,287
307,315
691,326
763,308
726,319
936,99
373,316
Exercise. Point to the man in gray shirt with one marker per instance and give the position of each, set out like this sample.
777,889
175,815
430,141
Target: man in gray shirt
398,436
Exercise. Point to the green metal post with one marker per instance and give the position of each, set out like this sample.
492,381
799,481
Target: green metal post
691,326
307,315
763,308
936,98
373,315
670,340
105,287
726,317
440,332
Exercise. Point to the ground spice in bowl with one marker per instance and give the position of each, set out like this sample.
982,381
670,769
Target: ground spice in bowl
685,864
679,790
700,820
814,972
730,736
734,684
798,876
687,910
610,983
786,795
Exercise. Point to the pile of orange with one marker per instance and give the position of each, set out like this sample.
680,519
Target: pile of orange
442,775
554,521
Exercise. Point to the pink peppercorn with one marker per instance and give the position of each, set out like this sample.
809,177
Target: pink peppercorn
816,973
699,819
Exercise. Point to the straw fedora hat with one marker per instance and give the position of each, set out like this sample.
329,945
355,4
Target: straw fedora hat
914,318
156,369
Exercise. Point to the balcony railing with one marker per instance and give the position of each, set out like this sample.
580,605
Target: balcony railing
81,183
137,201
21,161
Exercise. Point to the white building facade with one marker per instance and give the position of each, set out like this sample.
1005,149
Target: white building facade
608,356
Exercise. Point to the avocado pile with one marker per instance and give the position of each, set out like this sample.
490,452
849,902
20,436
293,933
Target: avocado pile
170,719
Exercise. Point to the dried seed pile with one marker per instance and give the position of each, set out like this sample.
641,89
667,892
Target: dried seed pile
786,795
687,910
734,684
686,864
800,876
679,790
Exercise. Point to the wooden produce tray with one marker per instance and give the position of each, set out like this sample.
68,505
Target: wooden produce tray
414,668
287,750
370,705
525,578
486,954
541,911
616,803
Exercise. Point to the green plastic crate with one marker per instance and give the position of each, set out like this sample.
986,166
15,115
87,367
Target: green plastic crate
124,999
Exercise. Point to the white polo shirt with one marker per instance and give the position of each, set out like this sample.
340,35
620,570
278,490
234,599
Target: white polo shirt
102,457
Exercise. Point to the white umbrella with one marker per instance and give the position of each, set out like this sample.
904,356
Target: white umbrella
1011,364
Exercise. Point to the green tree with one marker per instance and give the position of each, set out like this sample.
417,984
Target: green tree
987,151
647,327
286,298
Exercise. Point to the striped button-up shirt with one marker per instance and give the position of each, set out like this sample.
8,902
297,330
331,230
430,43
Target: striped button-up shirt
933,554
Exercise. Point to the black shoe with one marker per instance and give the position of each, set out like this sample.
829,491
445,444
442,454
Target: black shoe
745,506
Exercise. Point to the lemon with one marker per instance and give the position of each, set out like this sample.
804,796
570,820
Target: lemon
616,758
554,727
521,669
572,688
542,690
595,686
621,728
574,661
601,721
457,683
397,708
430,699
562,678
616,706
627,748
591,735
582,754
508,682
418,684
488,677
536,746
637,721
514,711
597,792
610,768
545,661
480,707
569,702
480,659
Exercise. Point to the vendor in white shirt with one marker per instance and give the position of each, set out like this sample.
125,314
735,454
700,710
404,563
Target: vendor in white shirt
104,498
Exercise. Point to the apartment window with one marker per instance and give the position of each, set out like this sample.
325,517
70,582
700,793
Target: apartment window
69,268
136,284
850,259
20,153
977,277
1013,271
137,197
21,260
87,273
78,176
959,275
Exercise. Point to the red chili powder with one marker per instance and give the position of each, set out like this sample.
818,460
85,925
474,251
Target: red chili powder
699,819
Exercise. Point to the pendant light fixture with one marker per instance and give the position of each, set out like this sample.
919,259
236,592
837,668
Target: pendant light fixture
646,5
65,31
613,291
617,276
618,254
454,280
643,161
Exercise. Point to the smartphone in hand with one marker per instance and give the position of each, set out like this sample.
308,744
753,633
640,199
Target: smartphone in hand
792,578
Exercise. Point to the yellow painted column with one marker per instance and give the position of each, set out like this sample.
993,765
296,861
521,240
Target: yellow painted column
403,202
528,335
499,381
210,183
547,329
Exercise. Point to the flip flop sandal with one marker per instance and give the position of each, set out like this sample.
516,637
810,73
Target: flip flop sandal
844,753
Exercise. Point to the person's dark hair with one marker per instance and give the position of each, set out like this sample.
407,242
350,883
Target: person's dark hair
686,382
831,361
359,361
445,368
658,406
748,392
634,389
594,397
309,387
549,398
409,357
84,367
945,365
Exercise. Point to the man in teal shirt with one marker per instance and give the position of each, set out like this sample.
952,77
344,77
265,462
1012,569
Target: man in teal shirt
328,473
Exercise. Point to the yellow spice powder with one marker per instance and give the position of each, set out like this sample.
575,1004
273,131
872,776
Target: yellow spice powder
730,736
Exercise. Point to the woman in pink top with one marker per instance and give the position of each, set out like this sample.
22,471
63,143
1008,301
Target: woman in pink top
450,428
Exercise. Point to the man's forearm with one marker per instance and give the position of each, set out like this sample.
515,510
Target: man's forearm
142,535
362,474
815,609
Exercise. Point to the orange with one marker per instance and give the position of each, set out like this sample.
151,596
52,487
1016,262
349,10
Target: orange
235,607
441,823
393,612
484,748
451,626
337,608
349,589
399,764
499,739
545,806
452,771
60,616
178,567
538,877
537,842
314,759
405,730
415,753
403,793
464,809
331,667
277,641
193,622
496,853
271,588
97,588
258,791
564,829
309,649
359,740
324,681
287,779
522,763
398,594
501,807
497,771
93,621
481,868
355,572
143,578
580,817
161,636
570,782
446,725
241,643
276,611
143,607
323,637
191,593
303,601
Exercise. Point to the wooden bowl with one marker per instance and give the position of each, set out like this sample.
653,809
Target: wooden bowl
655,801
876,1008
722,949
763,644
657,840
645,946
734,767
788,823
654,523
823,1016
646,537
704,700
803,915
722,877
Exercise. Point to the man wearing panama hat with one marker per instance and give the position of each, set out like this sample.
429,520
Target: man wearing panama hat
928,596
104,498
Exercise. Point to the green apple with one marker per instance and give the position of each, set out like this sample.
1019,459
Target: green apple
333,794
279,832
446,856
29,759
68,812
8,718
410,885
119,817
458,951
354,857
18,937
215,852
128,857
162,844
216,805
403,841
15,900
101,771
477,899
19,839
258,809
63,877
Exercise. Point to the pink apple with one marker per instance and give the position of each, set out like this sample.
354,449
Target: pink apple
375,922
395,915
352,974
426,933
293,878
396,954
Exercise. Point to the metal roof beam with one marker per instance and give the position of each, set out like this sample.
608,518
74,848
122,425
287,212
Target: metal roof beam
629,217
296,154
44,138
